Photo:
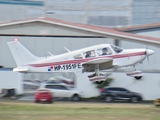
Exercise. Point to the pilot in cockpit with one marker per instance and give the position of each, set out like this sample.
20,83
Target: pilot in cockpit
88,54
104,51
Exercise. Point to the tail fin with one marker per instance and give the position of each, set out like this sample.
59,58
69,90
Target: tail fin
21,55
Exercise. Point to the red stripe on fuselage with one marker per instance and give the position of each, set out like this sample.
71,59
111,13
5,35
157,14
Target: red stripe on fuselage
86,59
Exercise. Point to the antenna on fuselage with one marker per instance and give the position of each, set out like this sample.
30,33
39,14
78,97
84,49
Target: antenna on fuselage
50,53
46,56
67,49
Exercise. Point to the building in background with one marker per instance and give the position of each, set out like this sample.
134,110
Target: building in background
96,12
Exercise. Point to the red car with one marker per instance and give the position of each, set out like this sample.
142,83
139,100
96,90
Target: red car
43,95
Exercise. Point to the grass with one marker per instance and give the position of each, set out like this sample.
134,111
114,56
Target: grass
77,111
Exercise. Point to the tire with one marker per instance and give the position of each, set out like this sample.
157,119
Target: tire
50,102
108,98
36,101
134,99
138,77
75,98
99,82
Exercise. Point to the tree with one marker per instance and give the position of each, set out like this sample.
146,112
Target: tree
105,83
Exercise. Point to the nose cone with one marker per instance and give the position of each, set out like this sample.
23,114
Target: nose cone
149,52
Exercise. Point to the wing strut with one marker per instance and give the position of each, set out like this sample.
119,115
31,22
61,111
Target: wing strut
97,69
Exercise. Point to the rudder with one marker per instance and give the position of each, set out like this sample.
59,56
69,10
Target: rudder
20,54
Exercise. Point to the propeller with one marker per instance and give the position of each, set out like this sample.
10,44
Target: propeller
147,53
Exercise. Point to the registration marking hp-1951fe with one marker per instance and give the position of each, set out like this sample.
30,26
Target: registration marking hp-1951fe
65,67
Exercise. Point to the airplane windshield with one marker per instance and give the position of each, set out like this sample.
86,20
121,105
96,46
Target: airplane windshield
117,49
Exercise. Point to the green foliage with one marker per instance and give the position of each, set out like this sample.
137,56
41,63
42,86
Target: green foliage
105,83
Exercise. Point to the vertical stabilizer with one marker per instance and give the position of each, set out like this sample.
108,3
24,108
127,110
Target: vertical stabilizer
21,55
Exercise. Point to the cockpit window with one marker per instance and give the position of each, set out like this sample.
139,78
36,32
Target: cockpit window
117,49
104,51
90,53
79,56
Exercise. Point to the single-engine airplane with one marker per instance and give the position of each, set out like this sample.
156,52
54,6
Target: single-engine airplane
91,59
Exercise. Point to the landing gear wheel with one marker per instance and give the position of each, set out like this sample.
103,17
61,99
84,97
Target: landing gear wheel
138,77
99,82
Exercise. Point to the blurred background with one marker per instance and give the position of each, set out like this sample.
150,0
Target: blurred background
110,13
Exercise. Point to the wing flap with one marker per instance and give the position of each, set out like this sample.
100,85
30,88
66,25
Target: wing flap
106,65
98,61
102,64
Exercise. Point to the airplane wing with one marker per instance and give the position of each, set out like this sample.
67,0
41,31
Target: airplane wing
100,64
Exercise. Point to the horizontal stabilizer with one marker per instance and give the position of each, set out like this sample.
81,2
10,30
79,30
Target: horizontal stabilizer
20,69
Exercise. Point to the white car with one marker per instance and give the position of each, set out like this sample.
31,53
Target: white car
63,91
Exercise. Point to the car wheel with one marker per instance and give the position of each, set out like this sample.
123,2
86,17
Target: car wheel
36,101
75,98
134,99
50,102
108,98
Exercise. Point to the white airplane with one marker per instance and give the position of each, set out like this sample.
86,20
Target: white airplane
90,59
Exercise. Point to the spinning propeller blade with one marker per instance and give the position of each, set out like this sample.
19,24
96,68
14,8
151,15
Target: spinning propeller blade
147,54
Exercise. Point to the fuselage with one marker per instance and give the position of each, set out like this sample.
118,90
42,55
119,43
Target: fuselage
72,61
